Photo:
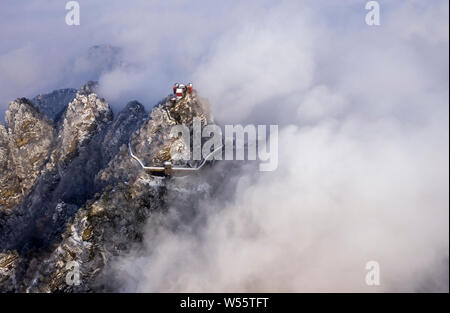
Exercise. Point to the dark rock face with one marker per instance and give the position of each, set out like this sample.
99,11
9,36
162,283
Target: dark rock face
54,103
82,200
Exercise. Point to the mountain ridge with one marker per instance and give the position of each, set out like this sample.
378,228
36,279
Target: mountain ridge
87,201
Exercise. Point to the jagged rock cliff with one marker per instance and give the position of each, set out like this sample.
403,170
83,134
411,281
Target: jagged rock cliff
82,201
26,149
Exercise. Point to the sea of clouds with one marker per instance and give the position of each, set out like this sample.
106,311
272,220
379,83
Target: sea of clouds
363,143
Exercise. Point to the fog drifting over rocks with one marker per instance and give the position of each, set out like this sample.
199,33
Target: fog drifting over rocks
363,140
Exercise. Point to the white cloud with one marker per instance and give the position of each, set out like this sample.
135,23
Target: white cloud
363,114
320,103
363,169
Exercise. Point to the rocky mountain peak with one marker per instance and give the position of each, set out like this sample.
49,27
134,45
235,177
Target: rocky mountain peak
21,110
86,115
84,199
30,135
